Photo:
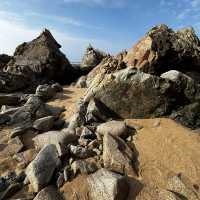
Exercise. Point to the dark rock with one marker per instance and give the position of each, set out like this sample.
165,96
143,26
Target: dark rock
20,130
41,169
4,59
10,191
4,118
9,99
57,87
41,60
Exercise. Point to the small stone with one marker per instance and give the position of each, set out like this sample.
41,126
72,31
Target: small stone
81,152
83,167
60,181
44,124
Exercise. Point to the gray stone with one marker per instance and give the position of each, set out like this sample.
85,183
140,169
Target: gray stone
81,83
45,92
106,185
44,124
4,118
60,139
40,170
117,156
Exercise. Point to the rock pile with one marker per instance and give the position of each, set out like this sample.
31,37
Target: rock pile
96,146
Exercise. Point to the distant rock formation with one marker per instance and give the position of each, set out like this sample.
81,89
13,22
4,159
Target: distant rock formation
92,58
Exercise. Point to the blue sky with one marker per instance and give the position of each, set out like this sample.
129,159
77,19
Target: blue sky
111,25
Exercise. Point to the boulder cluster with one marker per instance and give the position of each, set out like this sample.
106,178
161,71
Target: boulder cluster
158,77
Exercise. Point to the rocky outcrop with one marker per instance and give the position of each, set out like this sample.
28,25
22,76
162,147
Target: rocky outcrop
91,58
41,60
163,49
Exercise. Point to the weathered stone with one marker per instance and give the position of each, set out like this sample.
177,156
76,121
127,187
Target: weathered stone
57,87
44,124
81,152
59,138
45,92
60,181
40,170
49,193
105,185
83,167
20,130
116,128
117,156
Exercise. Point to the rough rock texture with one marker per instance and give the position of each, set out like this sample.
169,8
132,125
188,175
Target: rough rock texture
41,59
92,58
49,193
44,124
163,49
118,156
40,170
116,128
59,138
141,95
105,185
108,65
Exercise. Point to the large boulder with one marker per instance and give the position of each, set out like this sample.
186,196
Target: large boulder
118,156
162,49
91,58
41,169
41,59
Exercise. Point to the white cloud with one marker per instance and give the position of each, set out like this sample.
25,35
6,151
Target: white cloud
14,32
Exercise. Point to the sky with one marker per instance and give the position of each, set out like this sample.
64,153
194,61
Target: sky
110,25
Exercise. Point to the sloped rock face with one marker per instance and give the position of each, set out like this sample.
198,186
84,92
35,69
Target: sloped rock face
41,59
92,58
163,49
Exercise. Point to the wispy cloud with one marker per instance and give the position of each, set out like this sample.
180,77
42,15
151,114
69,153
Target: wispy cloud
104,3
15,31
63,20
